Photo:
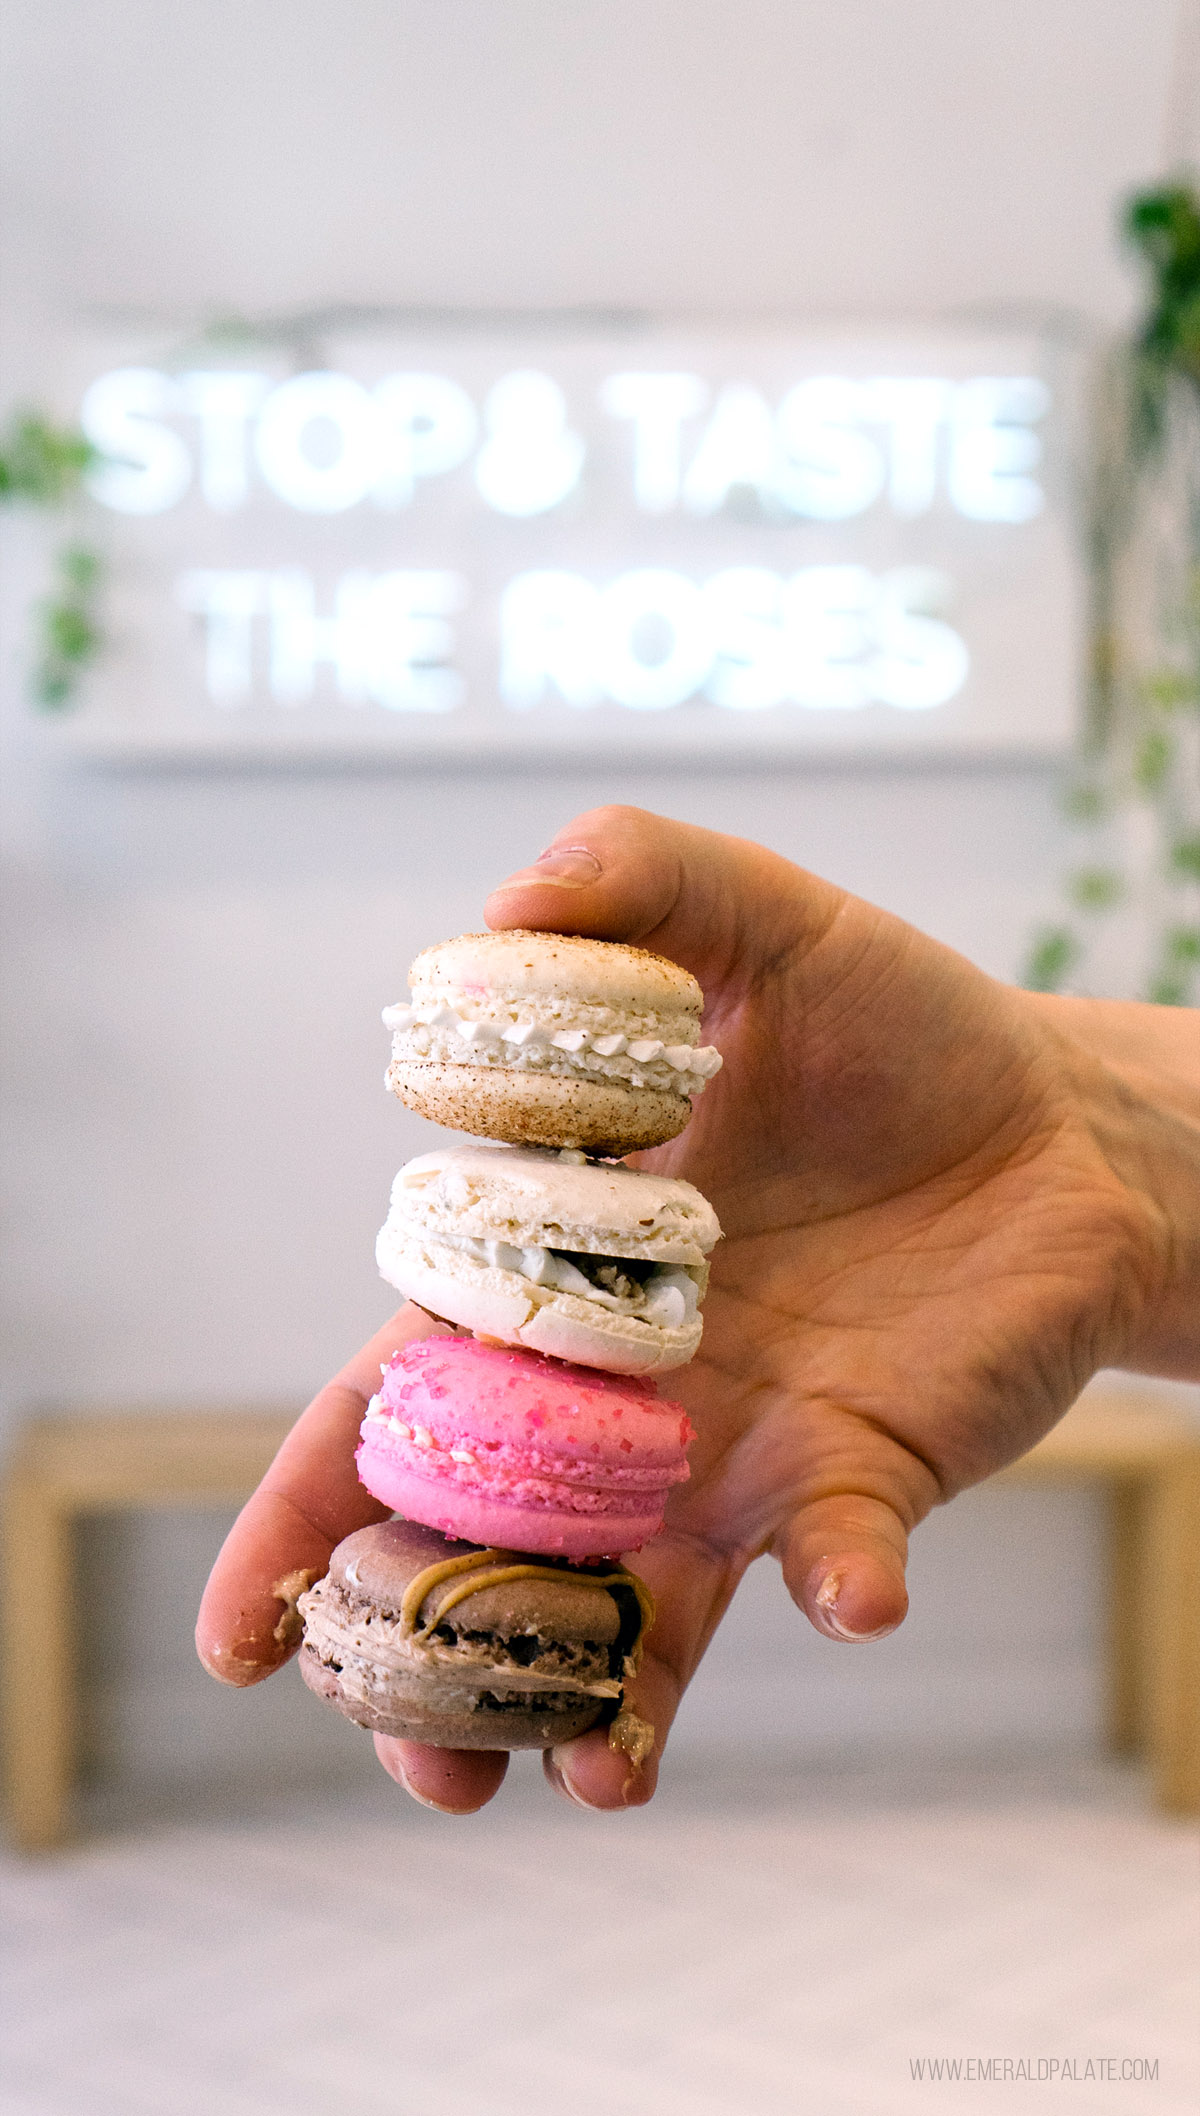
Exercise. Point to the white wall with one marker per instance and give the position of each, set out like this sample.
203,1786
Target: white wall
198,1146
736,156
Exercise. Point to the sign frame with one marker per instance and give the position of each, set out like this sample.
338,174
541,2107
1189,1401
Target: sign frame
1011,590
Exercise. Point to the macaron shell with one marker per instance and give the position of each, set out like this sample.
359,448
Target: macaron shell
407,1712
508,1446
534,1526
602,1117
575,1330
561,966
492,1398
496,1305
555,1200
501,1304
378,1565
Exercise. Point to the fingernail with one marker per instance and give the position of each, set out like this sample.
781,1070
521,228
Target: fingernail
563,866
826,1599
562,1784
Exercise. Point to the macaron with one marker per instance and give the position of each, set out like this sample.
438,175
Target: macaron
468,1648
548,1039
588,1261
511,1448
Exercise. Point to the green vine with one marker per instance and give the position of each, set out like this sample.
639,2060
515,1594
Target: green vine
44,466
1136,791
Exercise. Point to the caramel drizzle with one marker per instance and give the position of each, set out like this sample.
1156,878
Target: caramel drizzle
483,1568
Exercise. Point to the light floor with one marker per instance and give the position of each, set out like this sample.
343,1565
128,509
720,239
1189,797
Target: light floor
773,1948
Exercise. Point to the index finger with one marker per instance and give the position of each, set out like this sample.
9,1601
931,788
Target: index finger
308,1501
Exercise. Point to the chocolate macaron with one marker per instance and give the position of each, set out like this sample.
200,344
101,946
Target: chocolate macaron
415,1635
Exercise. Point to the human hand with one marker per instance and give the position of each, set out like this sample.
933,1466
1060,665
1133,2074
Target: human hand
938,1224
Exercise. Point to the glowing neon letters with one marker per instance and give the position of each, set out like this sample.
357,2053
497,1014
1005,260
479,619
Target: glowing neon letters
387,640
827,638
724,543
827,451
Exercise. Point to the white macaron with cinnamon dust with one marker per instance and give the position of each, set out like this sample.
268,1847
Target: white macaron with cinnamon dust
551,1039
587,1261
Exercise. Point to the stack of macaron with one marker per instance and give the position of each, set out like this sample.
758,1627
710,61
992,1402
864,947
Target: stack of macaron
526,1447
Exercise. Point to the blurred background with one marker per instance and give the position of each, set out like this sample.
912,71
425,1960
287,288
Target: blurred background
196,945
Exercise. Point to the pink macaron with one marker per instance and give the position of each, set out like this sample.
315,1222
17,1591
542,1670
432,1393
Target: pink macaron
510,1448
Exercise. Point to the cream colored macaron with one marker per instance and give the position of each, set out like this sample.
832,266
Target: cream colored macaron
593,1263
551,1040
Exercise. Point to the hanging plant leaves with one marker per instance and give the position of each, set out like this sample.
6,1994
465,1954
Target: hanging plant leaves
1052,957
1137,788
1153,760
43,465
1164,226
1084,804
1185,857
1096,888
1183,944
40,463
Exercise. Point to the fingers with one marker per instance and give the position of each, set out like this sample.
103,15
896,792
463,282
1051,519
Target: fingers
454,1781
308,1501
692,1586
594,1771
843,1560
718,905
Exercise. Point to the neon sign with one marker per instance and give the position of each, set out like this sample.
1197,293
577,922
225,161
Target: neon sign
770,542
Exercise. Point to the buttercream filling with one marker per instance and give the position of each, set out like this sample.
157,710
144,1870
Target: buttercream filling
666,1295
462,1031
379,1641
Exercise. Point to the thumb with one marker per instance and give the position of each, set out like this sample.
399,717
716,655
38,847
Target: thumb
692,1583
843,1560
722,907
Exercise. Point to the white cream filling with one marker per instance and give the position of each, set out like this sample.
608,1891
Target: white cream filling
434,1029
668,1295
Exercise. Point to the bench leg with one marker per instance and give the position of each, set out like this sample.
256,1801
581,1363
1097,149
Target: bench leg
1172,1588
1126,1702
38,1664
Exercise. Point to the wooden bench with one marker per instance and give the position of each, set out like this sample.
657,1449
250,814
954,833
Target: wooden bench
1144,1452
64,1469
